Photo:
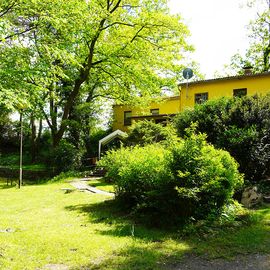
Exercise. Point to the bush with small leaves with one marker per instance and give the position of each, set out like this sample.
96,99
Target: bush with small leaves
205,177
147,132
136,171
239,125
166,184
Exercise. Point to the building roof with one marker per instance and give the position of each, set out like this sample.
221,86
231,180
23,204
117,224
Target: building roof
153,100
237,77
153,116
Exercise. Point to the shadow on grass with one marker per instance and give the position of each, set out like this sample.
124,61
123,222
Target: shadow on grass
136,257
149,248
8,183
5,186
120,224
251,236
96,184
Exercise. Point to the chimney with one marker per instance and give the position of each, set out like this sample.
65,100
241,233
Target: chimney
248,70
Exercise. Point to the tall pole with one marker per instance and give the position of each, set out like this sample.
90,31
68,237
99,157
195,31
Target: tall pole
21,148
187,86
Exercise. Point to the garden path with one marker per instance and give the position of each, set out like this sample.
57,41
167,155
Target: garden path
240,262
81,184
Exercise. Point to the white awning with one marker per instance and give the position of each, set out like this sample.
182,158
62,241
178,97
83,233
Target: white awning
116,134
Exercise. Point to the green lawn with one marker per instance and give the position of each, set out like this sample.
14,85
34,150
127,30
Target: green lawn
12,161
42,225
30,167
102,185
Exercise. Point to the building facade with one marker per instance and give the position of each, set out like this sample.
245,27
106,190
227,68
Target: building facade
191,94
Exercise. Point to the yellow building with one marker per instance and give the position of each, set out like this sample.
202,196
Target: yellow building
191,94
125,115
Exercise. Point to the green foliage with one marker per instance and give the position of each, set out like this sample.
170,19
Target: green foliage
92,141
137,171
65,54
187,179
65,157
143,182
147,132
258,53
232,213
239,125
9,132
64,176
205,177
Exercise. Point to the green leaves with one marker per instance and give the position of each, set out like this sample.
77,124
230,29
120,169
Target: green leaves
258,53
239,125
60,52
182,179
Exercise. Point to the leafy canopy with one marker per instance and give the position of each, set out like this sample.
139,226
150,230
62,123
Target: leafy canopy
69,50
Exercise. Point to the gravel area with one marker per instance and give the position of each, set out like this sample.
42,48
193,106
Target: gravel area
241,262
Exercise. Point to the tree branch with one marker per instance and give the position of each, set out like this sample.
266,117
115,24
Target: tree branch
138,32
116,6
118,23
20,33
149,41
46,117
8,8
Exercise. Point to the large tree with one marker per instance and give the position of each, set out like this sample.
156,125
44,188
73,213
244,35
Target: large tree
80,50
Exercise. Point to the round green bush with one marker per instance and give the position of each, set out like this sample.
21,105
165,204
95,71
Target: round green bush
165,184
147,132
205,177
135,171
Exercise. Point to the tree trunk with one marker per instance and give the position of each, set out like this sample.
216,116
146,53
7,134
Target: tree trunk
40,128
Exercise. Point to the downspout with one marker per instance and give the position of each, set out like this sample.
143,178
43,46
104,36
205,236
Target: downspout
180,98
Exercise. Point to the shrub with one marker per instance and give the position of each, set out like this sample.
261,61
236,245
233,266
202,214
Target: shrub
92,141
63,176
147,132
205,177
65,157
165,184
135,171
239,125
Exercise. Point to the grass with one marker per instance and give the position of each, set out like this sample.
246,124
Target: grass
102,185
11,161
41,225
250,236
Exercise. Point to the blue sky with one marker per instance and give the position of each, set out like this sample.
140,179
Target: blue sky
218,29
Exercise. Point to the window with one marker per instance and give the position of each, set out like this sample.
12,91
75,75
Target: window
154,111
127,118
240,92
201,98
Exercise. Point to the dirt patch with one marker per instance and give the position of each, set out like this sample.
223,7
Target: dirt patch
241,262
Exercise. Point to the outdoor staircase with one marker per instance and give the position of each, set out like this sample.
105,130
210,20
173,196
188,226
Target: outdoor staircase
98,171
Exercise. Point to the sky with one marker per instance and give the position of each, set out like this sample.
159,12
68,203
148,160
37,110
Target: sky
218,30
